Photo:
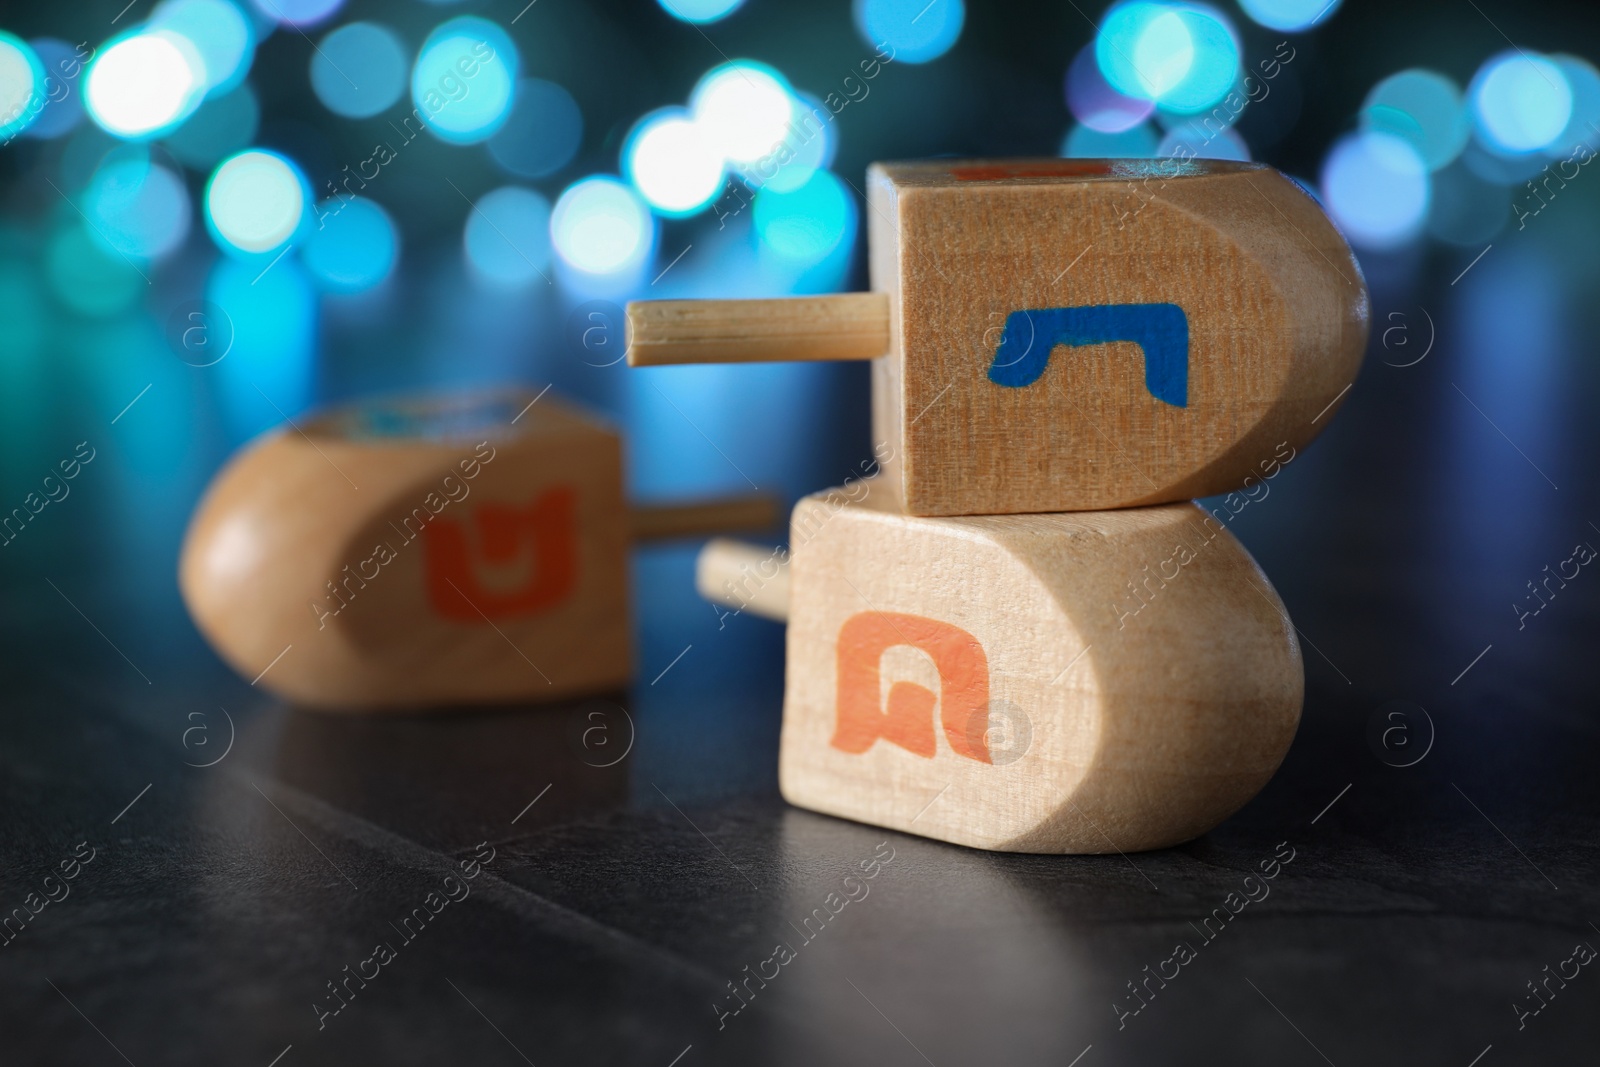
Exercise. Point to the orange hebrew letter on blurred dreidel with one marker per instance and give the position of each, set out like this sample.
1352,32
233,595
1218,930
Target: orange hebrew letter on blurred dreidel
907,720
475,550
544,533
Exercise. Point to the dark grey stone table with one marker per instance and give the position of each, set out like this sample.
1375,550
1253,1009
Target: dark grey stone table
259,885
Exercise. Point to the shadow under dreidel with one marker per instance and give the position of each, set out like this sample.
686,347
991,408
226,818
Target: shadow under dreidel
445,780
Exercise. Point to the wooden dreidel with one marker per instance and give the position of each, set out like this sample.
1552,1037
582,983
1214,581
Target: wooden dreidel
432,551
1066,335
1073,683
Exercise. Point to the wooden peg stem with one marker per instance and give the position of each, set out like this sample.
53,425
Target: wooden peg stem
745,577
840,326
662,522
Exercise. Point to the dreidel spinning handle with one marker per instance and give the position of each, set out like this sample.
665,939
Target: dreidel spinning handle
744,577
843,326
701,518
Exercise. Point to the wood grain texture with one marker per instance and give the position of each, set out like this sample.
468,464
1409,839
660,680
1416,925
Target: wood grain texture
1069,683
840,326
1275,304
1013,383
418,553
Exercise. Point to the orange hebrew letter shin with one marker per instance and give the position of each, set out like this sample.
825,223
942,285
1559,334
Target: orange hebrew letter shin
907,721
544,534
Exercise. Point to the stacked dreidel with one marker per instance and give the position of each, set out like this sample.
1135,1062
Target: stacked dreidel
1021,634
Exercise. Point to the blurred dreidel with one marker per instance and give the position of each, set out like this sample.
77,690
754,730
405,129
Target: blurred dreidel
1068,335
1072,683
434,551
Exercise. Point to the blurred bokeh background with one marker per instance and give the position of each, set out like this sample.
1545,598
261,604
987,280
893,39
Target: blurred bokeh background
215,214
